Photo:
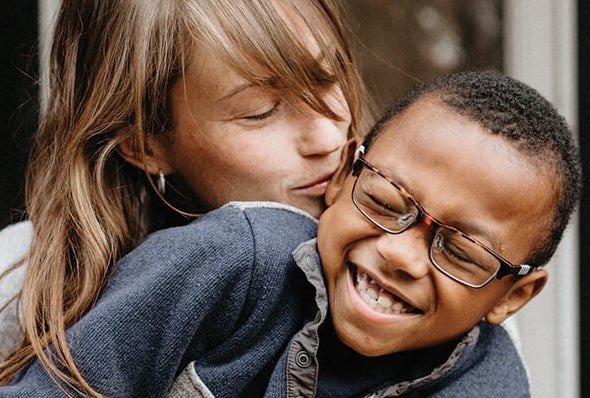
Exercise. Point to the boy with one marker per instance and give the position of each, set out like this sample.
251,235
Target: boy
458,196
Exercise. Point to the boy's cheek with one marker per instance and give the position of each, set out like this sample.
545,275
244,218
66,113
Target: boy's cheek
334,236
340,226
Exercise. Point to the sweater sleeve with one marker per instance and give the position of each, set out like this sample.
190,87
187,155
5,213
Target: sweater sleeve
161,295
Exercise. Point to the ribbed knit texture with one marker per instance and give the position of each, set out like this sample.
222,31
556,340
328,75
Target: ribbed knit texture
204,291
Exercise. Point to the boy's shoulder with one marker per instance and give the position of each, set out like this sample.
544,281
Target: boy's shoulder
485,362
492,367
274,220
234,225
254,207
240,219
242,236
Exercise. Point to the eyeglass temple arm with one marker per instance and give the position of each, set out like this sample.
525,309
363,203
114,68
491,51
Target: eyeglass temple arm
519,270
357,165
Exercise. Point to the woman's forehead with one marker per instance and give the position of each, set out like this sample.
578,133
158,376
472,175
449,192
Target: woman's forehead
271,34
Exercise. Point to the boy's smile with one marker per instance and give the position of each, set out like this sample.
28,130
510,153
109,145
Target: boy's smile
385,294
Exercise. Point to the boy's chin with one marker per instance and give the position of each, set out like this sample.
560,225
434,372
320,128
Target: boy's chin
362,343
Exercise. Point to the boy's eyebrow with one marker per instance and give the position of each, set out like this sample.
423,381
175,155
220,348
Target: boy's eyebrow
481,233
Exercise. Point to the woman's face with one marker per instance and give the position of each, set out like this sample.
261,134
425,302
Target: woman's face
238,141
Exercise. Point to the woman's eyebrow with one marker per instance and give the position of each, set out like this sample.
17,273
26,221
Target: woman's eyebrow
265,82
270,81
236,90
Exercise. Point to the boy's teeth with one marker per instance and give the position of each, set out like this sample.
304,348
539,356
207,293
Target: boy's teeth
384,301
379,299
372,294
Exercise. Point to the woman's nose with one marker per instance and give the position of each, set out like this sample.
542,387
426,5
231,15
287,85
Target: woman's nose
321,136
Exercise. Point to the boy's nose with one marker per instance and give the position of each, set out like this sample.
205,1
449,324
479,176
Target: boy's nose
407,252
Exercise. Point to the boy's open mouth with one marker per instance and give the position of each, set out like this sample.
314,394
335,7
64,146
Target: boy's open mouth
378,298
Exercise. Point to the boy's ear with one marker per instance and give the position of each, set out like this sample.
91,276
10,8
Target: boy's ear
347,159
523,290
153,162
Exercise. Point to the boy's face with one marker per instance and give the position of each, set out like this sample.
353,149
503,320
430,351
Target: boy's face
385,294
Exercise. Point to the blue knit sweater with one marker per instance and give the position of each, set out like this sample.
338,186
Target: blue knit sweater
224,299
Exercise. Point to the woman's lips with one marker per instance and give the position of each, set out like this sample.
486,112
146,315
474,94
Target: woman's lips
316,187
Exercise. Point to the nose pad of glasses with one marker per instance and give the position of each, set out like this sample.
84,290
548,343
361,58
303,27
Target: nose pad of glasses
437,242
406,220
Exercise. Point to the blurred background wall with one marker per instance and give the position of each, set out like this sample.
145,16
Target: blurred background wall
400,43
18,100
403,42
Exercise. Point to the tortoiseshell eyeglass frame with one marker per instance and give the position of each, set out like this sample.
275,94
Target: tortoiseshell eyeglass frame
505,268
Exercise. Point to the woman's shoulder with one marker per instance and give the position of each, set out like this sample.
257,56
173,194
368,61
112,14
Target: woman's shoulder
15,240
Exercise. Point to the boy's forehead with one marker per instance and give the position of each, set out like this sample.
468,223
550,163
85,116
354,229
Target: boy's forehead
430,125
423,127
428,112
430,136
464,175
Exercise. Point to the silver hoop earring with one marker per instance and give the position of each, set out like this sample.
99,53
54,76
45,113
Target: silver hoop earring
161,182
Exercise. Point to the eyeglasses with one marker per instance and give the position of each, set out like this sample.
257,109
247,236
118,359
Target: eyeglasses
454,253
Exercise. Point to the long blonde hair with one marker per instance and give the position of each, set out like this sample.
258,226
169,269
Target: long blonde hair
112,65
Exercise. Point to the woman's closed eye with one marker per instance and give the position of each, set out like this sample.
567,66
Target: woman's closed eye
262,114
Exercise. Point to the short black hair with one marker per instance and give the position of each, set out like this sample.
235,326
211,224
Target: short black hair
509,108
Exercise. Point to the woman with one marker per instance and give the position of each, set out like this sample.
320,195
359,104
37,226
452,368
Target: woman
161,110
